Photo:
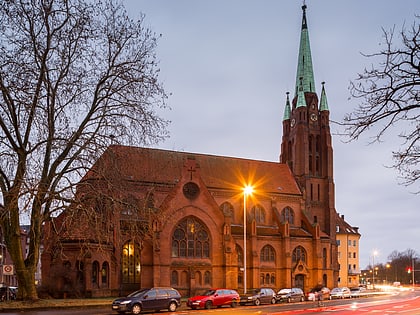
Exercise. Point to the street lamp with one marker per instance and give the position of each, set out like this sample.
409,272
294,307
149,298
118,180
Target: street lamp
386,275
247,191
373,274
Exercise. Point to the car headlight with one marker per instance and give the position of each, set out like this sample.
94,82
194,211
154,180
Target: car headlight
126,302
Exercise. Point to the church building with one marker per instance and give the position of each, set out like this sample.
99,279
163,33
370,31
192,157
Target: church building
147,217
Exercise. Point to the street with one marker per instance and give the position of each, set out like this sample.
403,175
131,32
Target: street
403,302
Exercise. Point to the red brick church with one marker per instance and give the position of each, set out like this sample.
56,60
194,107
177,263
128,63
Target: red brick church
148,217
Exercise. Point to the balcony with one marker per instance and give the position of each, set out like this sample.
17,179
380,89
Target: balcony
353,272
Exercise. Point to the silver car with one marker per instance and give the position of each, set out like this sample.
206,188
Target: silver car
340,293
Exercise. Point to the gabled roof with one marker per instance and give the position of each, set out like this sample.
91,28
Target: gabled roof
217,172
343,227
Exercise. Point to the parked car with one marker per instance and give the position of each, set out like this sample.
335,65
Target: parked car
259,296
313,294
214,297
290,295
8,293
357,292
340,293
154,299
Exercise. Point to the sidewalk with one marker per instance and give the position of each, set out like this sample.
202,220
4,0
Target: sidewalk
55,303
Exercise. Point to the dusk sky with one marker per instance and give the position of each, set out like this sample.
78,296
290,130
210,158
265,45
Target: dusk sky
229,64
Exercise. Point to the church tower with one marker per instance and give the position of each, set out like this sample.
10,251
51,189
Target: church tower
306,144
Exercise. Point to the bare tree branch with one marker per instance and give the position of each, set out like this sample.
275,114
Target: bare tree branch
75,76
390,94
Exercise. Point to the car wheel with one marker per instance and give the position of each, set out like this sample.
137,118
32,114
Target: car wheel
289,300
172,307
273,301
257,302
207,305
234,303
302,299
136,309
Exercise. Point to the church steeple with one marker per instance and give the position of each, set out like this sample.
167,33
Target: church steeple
305,74
306,143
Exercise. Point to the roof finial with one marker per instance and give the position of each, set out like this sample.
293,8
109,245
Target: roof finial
304,5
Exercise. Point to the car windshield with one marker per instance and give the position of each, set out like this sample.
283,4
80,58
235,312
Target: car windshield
137,293
209,292
282,291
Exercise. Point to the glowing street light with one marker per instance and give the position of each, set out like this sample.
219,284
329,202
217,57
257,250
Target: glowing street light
247,191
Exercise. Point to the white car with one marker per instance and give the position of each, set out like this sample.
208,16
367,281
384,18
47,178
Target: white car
340,293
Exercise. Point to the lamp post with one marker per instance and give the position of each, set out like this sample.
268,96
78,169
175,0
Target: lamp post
247,191
373,268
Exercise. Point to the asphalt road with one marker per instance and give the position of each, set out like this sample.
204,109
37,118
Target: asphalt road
404,302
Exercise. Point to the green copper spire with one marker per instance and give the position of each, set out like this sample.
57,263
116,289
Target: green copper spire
287,110
305,72
323,104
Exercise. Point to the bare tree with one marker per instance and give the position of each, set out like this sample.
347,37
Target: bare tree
391,94
75,76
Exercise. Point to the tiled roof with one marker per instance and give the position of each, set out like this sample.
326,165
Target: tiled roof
344,227
166,167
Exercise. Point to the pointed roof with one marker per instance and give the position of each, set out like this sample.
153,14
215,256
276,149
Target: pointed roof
305,73
287,110
323,104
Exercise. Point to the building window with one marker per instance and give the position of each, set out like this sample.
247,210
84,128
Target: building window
299,254
95,271
267,254
190,239
354,243
174,278
338,242
104,274
349,255
349,242
287,215
207,278
130,263
324,258
259,214
354,255
240,255
227,209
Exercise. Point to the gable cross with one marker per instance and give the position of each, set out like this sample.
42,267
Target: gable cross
191,170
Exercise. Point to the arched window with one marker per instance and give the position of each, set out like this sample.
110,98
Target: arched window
240,254
190,239
95,273
287,215
207,278
299,253
227,209
131,263
267,254
104,274
198,278
324,258
259,214
174,278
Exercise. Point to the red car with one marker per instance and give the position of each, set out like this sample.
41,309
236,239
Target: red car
214,297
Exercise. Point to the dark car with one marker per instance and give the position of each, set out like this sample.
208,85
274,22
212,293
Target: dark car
290,295
214,297
154,299
7,293
259,296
